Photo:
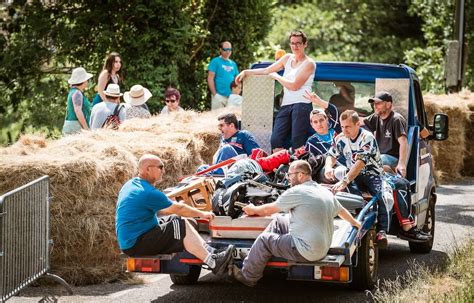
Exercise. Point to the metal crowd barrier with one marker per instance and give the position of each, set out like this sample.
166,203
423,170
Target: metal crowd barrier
24,237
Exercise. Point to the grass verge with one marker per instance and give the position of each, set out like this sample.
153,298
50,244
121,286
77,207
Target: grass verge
455,283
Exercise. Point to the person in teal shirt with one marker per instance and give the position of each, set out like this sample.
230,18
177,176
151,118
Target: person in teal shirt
78,109
222,71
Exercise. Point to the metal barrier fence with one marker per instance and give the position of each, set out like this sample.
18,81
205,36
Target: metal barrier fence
24,237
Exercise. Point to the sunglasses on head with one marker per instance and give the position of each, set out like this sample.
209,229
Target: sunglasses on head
170,100
227,49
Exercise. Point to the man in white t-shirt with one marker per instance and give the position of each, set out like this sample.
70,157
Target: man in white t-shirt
304,235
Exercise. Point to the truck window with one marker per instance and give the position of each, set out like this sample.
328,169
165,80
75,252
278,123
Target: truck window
420,107
346,95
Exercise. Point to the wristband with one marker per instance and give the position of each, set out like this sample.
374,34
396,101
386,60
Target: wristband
346,180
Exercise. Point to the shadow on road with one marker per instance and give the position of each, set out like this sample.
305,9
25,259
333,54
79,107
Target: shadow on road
394,264
455,214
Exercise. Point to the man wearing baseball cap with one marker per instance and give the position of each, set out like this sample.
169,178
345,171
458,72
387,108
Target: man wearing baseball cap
390,129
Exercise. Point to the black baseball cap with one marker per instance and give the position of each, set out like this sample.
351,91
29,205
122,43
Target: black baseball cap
381,96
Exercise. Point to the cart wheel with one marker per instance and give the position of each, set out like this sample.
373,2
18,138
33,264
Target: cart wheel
365,273
190,278
429,227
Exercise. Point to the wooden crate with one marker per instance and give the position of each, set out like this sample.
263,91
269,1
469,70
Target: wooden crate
196,192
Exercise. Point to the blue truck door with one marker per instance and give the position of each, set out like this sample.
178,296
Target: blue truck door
424,174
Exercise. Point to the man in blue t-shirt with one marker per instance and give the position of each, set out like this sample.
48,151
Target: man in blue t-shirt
233,141
141,233
222,71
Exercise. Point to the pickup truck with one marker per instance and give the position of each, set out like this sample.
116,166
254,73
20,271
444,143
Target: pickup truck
353,256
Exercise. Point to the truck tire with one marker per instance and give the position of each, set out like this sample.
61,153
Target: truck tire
190,278
429,227
365,273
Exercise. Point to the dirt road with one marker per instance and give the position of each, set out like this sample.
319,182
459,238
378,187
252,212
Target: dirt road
454,224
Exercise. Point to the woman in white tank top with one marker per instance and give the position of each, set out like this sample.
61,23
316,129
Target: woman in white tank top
291,127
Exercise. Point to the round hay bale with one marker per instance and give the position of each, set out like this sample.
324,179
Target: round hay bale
455,106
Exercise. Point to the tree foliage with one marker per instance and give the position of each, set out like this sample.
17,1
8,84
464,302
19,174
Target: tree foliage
161,43
170,42
413,32
359,30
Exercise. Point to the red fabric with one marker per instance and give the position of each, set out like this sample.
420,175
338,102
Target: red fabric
401,219
273,161
299,151
257,153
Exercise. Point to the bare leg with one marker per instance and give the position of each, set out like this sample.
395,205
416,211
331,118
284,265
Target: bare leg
193,242
407,227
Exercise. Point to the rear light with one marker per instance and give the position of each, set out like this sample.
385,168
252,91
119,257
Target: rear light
327,273
143,265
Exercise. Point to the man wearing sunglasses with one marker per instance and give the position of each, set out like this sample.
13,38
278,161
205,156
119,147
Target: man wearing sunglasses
222,71
141,233
172,97
292,120
303,235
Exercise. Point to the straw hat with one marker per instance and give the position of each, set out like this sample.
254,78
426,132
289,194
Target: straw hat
78,76
137,95
113,90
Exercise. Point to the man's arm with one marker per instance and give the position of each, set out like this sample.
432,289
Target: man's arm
250,143
403,157
314,98
351,175
329,167
344,214
300,79
261,210
185,210
369,122
77,103
210,82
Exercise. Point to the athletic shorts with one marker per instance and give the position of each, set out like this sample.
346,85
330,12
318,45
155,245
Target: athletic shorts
165,238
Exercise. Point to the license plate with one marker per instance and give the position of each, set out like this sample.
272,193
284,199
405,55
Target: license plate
238,250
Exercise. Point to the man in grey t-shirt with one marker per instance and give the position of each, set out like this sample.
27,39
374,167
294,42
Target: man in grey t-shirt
303,235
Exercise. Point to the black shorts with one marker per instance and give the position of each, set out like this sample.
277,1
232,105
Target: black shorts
165,238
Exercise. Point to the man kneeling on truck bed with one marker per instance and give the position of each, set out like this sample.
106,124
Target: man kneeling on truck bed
304,235
140,233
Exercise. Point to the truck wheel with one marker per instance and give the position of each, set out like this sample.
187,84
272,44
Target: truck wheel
365,274
429,227
190,278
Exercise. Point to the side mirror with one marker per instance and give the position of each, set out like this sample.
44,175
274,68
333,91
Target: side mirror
440,127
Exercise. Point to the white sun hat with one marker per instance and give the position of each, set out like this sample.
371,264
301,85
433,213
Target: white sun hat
113,90
137,95
78,76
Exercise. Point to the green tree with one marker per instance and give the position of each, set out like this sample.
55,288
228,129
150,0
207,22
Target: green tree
161,43
438,22
359,30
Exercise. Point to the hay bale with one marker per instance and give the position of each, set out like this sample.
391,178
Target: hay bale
450,167
87,171
26,144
